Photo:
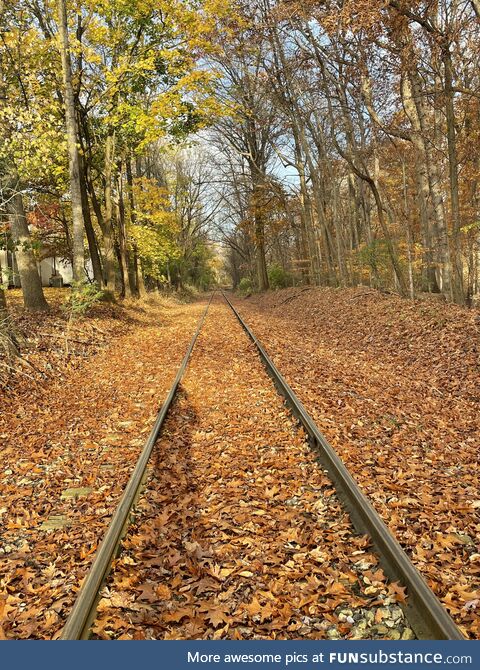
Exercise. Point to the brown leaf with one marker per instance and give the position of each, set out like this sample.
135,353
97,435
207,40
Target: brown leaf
217,616
177,615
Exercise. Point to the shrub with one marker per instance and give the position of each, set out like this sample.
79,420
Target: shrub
278,277
187,293
245,286
82,297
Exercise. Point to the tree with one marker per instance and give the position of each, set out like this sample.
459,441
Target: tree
14,87
252,122
33,297
72,144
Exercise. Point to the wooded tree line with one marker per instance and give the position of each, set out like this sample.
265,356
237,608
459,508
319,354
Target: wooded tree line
342,142
351,151
97,99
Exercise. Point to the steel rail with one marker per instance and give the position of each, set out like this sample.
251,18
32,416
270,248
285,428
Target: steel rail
426,615
77,626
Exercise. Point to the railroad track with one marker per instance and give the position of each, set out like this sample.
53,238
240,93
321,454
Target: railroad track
424,612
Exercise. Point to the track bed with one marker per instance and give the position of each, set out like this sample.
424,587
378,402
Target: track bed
239,533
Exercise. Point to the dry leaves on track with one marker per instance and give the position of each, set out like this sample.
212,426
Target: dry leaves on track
239,534
394,387
68,447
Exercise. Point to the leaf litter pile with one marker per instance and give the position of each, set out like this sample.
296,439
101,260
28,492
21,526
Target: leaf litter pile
239,533
394,386
68,444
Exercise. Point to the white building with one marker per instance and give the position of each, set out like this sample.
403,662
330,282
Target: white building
8,269
53,267
49,269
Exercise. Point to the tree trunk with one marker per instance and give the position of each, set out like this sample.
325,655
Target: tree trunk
98,212
138,272
402,286
259,228
6,340
138,286
72,139
324,235
457,279
91,237
338,237
122,242
416,111
262,274
3,305
411,283
321,177
30,281
108,233
305,217
422,188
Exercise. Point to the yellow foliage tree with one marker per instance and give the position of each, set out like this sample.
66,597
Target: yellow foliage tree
155,227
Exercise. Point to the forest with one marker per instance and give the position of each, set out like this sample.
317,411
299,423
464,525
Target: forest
174,173
263,143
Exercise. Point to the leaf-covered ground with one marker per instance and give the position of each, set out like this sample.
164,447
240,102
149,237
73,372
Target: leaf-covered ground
70,434
239,533
254,543
46,351
394,386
